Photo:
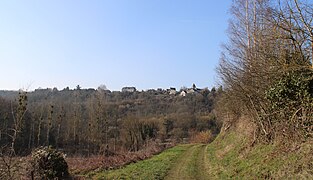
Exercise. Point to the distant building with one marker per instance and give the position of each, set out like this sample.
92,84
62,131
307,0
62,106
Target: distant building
128,89
160,90
172,91
183,93
43,90
193,90
190,90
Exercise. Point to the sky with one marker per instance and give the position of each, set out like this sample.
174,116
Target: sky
142,43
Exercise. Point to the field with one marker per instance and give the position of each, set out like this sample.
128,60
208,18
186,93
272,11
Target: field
229,156
153,168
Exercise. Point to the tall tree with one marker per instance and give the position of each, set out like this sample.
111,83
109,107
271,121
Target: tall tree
268,40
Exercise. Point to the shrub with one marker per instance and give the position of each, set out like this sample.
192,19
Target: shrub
202,137
291,104
48,163
291,91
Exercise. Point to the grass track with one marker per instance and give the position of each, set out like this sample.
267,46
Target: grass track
228,157
191,165
180,162
156,167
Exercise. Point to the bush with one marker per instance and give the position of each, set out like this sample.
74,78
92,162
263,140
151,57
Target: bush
291,91
202,137
48,163
291,105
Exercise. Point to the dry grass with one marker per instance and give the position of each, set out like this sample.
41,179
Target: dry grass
83,165
20,167
232,156
15,167
202,137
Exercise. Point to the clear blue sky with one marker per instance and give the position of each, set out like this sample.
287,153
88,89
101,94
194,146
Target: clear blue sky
141,43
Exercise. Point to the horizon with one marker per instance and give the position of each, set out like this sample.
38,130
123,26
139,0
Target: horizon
143,44
112,90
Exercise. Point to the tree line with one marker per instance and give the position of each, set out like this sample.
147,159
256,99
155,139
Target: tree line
89,121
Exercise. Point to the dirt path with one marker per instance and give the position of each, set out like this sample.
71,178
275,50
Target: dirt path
191,165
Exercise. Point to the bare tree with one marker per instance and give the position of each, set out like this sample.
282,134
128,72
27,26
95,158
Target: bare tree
267,40
18,118
9,166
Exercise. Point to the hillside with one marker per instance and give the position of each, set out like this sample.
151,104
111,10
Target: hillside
231,155
234,155
267,74
89,121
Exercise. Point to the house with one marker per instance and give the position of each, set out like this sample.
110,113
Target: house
161,91
172,91
128,89
183,93
190,90
193,90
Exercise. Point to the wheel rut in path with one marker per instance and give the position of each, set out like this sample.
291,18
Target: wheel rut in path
190,165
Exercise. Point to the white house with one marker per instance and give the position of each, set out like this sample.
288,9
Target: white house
183,93
190,91
172,91
128,89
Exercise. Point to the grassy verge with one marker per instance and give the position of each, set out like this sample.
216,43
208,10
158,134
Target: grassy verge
230,156
153,168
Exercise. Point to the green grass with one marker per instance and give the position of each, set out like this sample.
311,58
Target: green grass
195,166
153,168
230,157
189,165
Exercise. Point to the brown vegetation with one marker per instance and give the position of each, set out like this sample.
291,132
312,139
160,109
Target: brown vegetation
81,165
99,129
266,68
